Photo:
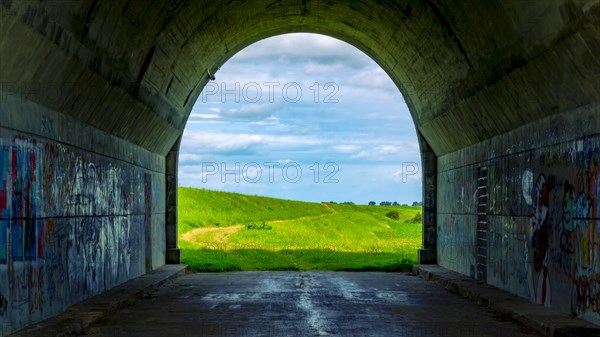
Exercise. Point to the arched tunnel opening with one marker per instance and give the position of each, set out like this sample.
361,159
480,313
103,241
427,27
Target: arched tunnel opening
94,97
309,118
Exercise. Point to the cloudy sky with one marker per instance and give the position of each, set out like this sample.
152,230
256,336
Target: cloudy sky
303,117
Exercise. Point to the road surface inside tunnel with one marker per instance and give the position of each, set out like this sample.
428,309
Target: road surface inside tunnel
305,304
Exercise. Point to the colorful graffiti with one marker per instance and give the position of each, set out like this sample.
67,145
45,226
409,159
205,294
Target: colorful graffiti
565,237
540,229
72,224
580,221
543,223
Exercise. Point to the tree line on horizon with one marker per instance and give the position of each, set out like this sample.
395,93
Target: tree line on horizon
395,203
382,203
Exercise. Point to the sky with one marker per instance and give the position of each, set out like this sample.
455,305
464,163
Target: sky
302,117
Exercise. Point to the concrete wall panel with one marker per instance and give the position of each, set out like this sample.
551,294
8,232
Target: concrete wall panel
456,242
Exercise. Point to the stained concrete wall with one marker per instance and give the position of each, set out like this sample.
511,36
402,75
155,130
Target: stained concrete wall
80,212
520,211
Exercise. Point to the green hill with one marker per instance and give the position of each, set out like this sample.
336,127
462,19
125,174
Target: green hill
221,231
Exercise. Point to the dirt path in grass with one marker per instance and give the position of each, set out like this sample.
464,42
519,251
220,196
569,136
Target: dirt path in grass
221,233
333,211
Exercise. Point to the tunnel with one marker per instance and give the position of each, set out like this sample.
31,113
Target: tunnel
95,95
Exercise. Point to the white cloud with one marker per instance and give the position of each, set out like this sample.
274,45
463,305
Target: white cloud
388,152
205,122
204,116
272,120
216,142
378,152
373,77
304,46
317,68
346,148
238,143
252,111
200,118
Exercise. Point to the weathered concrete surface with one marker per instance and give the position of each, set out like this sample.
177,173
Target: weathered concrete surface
81,211
547,320
533,221
78,318
305,304
428,251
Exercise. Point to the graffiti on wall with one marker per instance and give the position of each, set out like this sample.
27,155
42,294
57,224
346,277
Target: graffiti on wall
581,237
71,226
3,204
544,226
540,229
20,186
565,230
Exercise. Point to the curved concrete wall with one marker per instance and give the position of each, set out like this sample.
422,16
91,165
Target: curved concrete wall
95,95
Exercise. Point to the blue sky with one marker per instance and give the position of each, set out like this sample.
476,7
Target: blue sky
302,117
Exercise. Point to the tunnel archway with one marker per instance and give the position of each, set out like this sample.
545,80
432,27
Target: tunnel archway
340,131
95,95
319,22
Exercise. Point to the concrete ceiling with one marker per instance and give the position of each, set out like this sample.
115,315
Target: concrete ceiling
469,70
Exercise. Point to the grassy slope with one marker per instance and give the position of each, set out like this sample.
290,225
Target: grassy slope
205,208
303,235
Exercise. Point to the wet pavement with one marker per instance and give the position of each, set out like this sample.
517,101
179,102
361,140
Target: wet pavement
245,304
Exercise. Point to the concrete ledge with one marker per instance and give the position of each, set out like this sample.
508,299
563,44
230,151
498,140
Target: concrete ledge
79,317
548,321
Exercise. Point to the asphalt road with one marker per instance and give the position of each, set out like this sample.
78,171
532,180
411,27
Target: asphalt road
247,304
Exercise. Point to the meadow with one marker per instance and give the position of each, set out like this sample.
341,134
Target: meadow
221,231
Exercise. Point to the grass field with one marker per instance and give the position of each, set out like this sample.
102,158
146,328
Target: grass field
220,231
